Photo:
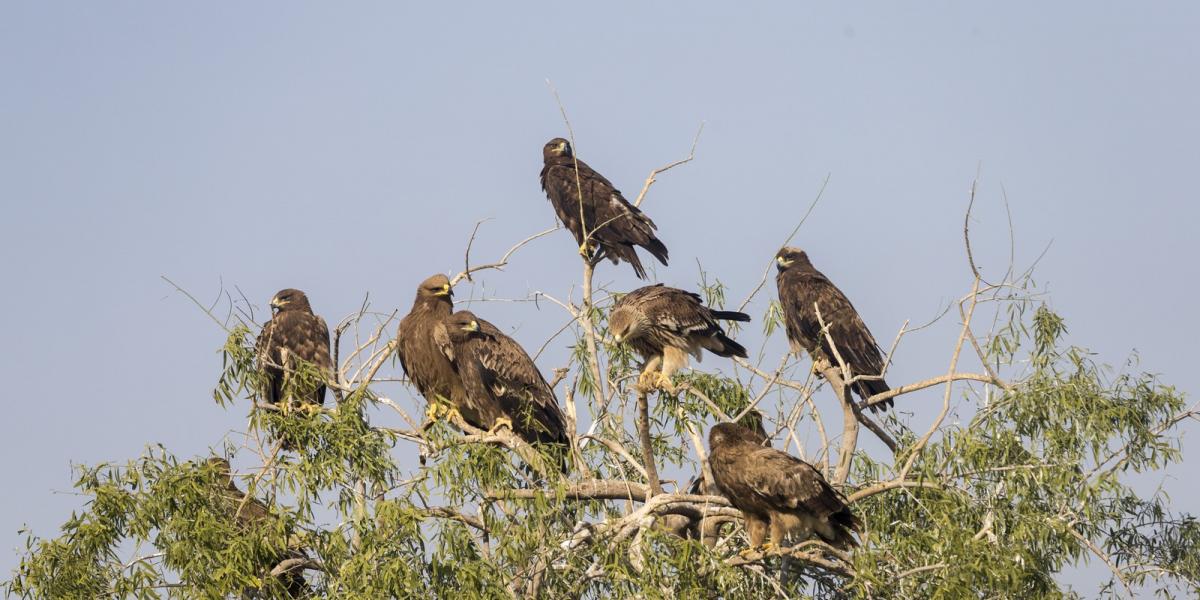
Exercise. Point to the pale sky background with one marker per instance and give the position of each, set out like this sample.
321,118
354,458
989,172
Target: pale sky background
347,151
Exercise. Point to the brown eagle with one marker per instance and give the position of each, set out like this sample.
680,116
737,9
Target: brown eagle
606,220
777,491
665,325
504,386
420,356
293,337
250,512
801,287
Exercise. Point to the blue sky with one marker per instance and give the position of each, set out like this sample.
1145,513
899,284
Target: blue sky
348,151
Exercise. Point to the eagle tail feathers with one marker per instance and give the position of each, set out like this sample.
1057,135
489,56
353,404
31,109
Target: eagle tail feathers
869,387
731,315
658,249
729,347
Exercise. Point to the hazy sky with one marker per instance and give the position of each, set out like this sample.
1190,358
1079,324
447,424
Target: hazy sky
348,151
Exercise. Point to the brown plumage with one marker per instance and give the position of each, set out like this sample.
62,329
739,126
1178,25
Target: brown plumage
664,325
801,286
250,512
294,336
708,529
611,226
421,357
777,492
502,383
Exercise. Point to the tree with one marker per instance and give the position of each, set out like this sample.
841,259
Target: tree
1026,480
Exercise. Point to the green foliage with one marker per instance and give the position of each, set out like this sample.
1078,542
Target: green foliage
1030,480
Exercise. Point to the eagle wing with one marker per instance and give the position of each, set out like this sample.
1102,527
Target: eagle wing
681,320
421,348
789,484
289,337
499,367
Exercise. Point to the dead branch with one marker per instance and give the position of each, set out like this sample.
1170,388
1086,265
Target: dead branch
655,173
503,262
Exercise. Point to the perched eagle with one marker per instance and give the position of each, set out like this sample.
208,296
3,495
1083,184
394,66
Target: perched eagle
294,336
800,288
250,512
665,325
708,529
607,220
777,491
420,356
502,383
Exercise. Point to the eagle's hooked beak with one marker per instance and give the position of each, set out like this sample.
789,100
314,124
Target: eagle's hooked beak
783,262
445,291
562,147
618,337
472,326
276,304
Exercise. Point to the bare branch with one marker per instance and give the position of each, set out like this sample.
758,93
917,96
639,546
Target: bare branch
503,262
767,271
643,424
655,173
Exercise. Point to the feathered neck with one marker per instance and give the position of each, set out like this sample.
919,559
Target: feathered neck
440,305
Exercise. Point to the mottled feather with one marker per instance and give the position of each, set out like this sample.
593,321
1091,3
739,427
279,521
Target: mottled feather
501,379
655,317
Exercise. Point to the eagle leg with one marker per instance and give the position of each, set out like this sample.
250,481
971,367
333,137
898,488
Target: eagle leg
646,380
664,383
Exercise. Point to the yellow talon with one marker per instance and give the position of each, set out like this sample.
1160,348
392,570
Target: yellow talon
664,383
645,382
501,422
585,250
439,411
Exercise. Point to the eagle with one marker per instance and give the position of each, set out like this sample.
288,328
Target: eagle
776,491
699,527
292,338
420,356
801,289
250,512
606,225
503,385
664,325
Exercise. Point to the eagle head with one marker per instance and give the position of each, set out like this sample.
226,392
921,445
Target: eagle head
732,433
625,324
220,467
289,299
436,285
722,434
788,255
464,320
557,147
